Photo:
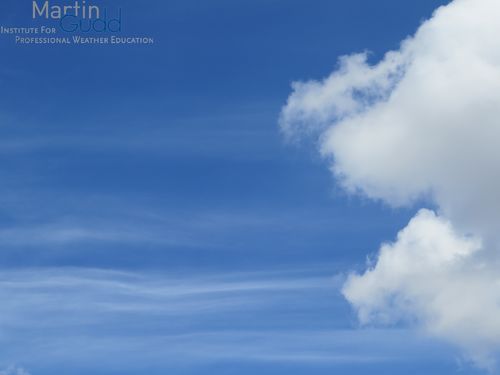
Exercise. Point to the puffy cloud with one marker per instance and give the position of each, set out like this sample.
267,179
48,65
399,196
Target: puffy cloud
422,122
314,105
430,276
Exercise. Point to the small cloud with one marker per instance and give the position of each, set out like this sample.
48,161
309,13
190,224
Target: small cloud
14,370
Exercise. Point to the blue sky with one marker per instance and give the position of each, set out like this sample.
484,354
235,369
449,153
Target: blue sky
152,217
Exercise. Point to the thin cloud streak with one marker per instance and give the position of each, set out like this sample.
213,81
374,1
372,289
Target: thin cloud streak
75,315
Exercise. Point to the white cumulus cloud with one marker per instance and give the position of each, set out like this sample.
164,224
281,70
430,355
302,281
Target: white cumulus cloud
423,122
430,276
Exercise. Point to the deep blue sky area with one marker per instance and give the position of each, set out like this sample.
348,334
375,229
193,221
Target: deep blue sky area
152,218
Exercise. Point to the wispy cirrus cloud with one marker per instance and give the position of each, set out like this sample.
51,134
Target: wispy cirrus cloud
14,370
70,316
